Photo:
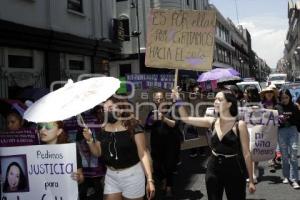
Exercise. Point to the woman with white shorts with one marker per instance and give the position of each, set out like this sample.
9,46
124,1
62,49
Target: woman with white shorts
122,145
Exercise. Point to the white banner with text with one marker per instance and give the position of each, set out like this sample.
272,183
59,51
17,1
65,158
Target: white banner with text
39,172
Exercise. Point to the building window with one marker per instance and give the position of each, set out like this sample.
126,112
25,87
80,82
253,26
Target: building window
20,61
125,69
75,5
76,64
222,32
188,2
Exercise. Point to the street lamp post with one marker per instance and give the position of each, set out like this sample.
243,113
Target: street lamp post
296,60
241,66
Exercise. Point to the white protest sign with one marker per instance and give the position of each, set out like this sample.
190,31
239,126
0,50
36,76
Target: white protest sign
263,129
44,172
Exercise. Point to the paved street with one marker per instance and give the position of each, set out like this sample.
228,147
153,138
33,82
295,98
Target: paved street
190,182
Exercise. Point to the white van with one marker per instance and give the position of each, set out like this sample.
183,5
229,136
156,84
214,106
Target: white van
277,79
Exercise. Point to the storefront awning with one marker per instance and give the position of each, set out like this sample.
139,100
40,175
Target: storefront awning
221,65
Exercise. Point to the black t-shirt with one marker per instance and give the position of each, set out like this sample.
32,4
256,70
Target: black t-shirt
159,128
290,115
118,149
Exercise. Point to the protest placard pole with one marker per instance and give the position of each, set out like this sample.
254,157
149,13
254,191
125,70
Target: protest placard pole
176,78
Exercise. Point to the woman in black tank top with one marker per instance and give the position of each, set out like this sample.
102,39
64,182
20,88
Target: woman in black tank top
230,162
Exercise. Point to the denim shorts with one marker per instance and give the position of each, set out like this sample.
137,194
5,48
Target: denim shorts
130,182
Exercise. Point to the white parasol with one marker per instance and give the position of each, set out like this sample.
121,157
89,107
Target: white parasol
72,99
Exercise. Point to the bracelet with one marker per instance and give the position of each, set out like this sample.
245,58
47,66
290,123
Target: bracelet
150,180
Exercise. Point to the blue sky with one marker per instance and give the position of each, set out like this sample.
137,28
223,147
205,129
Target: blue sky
266,20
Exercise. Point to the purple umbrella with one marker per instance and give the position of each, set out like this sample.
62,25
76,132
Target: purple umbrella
218,74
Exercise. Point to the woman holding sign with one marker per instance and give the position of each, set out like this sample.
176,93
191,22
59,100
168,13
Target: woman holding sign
53,133
122,145
288,138
230,149
252,99
269,97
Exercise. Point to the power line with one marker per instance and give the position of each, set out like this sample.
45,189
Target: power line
237,13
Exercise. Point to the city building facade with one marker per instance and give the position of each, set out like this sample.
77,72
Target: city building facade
46,41
232,44
291,59
136,12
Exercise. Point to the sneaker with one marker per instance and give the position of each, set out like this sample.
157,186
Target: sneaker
285,181
193,155
295,185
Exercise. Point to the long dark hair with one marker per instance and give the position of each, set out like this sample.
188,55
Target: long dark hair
253,94
236,91
63,137
123,105
288,93
22,180
233,110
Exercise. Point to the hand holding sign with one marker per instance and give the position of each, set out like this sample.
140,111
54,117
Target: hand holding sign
87,134
175,94
78,176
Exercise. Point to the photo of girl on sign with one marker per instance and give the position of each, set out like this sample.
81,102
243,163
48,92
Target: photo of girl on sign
15,178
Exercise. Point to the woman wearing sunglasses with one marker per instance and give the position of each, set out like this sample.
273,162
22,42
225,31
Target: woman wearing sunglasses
53,133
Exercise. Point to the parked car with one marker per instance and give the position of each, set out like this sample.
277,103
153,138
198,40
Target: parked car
245,84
